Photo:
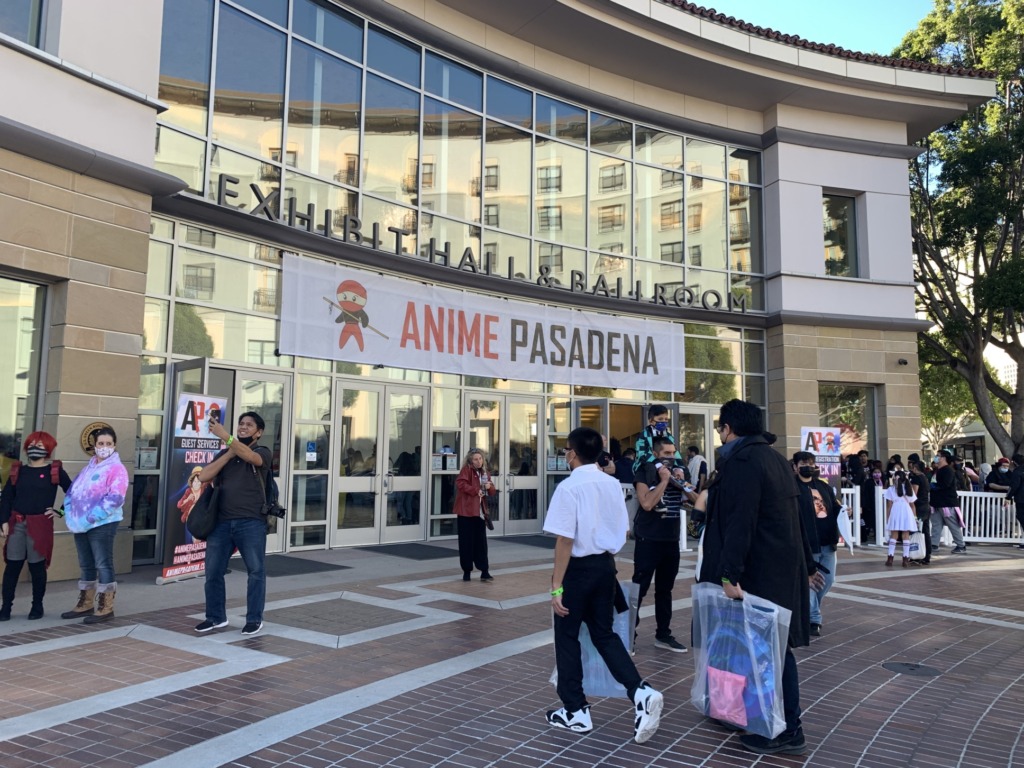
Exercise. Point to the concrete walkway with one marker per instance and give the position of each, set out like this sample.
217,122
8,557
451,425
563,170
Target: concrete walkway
394,661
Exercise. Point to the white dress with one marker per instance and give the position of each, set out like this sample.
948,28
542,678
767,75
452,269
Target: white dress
901,516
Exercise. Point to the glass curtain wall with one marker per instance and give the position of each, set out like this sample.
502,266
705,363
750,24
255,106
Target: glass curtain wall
21,313
360,120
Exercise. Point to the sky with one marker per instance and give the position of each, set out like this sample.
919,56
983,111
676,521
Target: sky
870,26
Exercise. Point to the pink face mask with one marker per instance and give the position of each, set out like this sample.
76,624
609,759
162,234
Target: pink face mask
104,451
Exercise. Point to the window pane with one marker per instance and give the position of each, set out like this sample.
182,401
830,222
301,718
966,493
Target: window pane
309,501
659,214
705,222
750,287
227,282
326,197
840,235
266,176
313,398
393,56
146,492
753,357
654,146
613,269
451,178
154,326
561,174
390,215
452,236
206,332
323,115
453,81
504,183
705,159
326,24
757,391
148,440
500,249
654,273
745,248
611,210
852,409
249,102
507,102
701,280
557,262
20,19
185,49
702,387
272,10
158,275
609,134
151,384
311,447
181,156
744,166
19,363
564,121
391,142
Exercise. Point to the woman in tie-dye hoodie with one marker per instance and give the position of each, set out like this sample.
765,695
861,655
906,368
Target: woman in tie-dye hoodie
93,508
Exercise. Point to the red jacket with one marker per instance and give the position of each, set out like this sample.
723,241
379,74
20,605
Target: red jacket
467,493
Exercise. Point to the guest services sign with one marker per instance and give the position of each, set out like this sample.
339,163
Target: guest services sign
339,313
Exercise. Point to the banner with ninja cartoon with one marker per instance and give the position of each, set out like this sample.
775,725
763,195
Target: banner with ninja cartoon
192,448
334,312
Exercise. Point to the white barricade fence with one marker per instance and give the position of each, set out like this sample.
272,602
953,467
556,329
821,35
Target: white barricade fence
989,519
850,498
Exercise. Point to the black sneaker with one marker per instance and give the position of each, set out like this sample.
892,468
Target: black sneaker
669,644
486,577
783,744
207,625
958,551
252,628
1020,546
815,630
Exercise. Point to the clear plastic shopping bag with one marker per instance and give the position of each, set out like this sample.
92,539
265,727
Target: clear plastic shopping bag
738,654
597,680
917,546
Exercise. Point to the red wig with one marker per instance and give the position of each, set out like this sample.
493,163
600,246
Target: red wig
48,441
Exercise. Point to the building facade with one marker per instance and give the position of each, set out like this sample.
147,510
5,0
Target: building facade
742,196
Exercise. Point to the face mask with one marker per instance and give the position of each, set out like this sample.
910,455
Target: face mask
817,472
807,472
104,451
1001,469
37,452
245,440
876,475
660,427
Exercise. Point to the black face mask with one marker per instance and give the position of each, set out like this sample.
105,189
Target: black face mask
245,440
36,452
807,472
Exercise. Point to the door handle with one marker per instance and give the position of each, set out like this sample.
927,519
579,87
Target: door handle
387,483
510,482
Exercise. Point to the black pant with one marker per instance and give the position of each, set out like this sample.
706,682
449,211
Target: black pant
589,596
925,521
472,543
657,560
1020,516
791,692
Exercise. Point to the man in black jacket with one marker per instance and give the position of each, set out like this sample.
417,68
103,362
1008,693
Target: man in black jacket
922,507
753,542
1016,491
946,504
819,510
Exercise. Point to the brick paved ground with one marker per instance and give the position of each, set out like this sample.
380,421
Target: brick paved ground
400,663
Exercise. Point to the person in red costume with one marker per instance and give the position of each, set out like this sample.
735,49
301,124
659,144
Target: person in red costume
351,300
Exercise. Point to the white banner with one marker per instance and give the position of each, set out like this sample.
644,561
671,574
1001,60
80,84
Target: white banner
335,312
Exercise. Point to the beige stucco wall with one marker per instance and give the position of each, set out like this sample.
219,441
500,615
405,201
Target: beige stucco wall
801,356
88,241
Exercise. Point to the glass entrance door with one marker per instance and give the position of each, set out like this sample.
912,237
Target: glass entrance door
508,430
379,469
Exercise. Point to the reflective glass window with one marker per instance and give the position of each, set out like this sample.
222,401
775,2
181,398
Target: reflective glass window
703,280
185,52
659,147
313,398
704,387
561,120
19,364
388,214
750,288
840,224
561,172
21,19
611,208
509,256
444,78
704,158
226,282
266,176
208,332
272,10
324,197
651,274
753,358
706,221
509,103
611,135
154,326
393,56
328,25
181,156
745,250
323,115
158,274
851,408
249,101
744,166
657,193
391,140
557,262
505,185
452,179
452,236
612,269
151,383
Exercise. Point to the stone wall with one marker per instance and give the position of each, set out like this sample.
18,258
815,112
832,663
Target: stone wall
800,357
87,240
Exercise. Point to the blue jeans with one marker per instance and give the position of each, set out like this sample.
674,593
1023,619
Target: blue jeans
827,557
249,535
96,553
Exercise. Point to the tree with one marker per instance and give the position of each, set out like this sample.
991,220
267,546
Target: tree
947,406
967,189
190,335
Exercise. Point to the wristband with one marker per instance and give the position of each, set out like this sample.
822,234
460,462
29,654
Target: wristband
231,439
725,580
60,511
557,592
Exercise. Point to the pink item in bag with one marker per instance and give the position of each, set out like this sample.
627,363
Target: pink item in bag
725,694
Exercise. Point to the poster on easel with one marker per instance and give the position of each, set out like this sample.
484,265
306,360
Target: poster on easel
824,443
192,448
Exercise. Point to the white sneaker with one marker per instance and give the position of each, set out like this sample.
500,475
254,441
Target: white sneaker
578,721
648,712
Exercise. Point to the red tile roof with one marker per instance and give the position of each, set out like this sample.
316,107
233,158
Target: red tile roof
832,50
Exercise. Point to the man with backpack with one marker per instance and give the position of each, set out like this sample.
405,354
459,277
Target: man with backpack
240,472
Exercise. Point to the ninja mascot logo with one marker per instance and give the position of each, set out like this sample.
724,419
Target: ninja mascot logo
351,302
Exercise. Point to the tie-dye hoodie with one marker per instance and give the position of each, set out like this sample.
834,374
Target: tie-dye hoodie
97,495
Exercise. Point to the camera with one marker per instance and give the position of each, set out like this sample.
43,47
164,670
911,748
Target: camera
274,510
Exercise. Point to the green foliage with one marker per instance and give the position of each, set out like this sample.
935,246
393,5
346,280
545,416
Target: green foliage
190,336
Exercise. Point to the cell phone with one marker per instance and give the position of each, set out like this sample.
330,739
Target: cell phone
214,415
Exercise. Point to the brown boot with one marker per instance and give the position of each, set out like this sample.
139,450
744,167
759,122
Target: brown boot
105,605
888,561
906,562
86,600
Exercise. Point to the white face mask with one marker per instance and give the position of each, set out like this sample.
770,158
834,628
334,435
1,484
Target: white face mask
104,451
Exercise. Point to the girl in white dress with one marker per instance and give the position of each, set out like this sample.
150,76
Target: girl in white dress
901,521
